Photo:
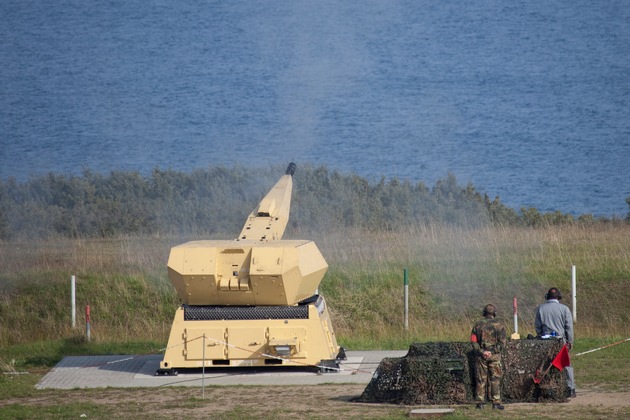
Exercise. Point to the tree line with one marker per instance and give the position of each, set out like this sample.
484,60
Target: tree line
218,199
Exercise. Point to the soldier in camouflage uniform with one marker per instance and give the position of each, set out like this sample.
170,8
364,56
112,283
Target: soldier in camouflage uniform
488,341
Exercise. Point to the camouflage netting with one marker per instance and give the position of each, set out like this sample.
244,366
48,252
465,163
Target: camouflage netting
523,360
443,373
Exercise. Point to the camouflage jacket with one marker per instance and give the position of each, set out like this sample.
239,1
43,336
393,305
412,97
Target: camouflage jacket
488,334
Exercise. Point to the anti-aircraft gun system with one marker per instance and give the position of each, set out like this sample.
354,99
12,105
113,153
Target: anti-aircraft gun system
251,301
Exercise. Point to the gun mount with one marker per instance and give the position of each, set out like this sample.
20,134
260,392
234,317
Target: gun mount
251,301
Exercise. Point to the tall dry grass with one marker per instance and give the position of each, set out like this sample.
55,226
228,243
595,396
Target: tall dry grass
453,273
122,280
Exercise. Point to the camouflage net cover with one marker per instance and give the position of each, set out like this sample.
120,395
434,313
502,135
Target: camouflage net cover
443,373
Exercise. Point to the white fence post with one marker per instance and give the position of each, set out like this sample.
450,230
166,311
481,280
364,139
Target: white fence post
73,301
573,292
406,296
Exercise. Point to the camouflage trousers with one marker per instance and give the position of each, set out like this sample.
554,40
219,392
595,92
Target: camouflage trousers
488,371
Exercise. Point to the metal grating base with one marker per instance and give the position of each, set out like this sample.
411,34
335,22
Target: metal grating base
229,313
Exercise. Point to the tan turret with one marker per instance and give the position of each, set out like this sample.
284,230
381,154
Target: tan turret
252,300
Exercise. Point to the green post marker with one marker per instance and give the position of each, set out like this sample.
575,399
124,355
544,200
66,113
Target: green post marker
406,280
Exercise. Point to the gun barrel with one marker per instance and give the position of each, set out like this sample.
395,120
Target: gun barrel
268,221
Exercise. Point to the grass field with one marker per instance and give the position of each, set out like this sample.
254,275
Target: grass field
453,273
603,393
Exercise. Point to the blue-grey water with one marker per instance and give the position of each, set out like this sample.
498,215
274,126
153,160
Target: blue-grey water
528,100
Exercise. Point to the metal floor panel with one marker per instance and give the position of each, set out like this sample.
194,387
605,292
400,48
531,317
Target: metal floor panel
138,371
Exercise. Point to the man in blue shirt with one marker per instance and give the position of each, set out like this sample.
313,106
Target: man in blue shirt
554,318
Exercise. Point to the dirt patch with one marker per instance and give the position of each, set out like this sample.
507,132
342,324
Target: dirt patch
601,399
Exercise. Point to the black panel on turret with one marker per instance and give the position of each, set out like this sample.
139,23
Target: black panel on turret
229,313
